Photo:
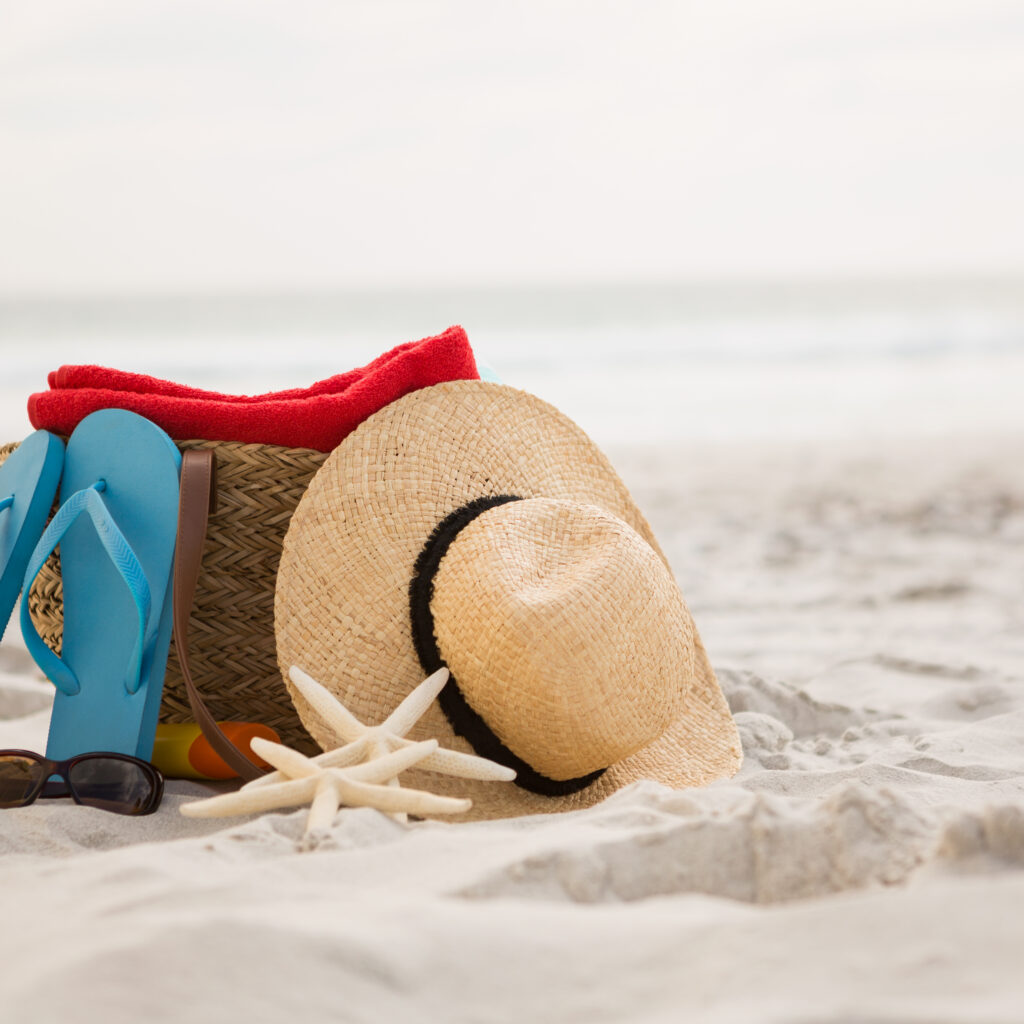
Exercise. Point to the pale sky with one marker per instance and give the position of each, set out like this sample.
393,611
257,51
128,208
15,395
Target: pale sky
151,146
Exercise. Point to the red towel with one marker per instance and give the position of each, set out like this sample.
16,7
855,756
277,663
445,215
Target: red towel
87,376
317,417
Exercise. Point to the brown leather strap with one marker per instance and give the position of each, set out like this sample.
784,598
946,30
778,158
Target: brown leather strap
197,500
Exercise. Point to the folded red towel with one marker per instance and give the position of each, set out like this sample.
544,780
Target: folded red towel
103,377
317,417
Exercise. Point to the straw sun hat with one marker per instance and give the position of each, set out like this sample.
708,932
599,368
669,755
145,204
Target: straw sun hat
473,525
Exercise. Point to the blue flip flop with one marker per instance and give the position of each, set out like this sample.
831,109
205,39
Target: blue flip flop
116,528
28,484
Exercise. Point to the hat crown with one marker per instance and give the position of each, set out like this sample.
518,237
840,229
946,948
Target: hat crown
565,632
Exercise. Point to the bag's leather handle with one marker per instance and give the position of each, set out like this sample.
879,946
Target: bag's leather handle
198,498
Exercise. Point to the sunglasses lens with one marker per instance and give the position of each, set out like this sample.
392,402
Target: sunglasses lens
111,784
20,778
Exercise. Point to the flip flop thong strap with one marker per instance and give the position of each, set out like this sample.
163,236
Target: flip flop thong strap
6,502
122,557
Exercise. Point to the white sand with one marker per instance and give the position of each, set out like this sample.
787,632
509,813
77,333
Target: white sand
865,610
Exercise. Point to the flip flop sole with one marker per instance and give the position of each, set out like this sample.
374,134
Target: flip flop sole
138,465
28,483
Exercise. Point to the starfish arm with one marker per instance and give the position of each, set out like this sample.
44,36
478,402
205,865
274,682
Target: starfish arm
284,759
253,801
400,816
390,798
383,769
412,709
378,743
325,804
327,706
341,757
466,766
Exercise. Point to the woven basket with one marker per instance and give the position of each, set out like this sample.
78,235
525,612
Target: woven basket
231,634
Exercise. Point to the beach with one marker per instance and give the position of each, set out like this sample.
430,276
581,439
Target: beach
770,260
861,604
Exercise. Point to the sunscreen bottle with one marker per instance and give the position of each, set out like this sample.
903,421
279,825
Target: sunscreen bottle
181,751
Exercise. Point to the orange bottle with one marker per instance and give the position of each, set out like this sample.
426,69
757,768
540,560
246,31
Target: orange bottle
181,751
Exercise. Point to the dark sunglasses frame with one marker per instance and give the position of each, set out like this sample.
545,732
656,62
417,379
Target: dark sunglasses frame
48,790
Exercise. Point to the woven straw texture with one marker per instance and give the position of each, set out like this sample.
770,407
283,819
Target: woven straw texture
231,634
342,611
525,602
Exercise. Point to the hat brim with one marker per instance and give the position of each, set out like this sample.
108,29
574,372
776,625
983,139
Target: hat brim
342,600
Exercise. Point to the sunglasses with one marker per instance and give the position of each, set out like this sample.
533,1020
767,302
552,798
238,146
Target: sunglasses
111,782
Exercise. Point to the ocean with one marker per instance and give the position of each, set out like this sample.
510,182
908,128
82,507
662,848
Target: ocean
645,364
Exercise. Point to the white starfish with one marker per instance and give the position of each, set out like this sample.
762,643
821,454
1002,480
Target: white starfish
362,773
327,788
365,742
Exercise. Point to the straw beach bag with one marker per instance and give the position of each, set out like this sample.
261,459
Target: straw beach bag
231,626
224,664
